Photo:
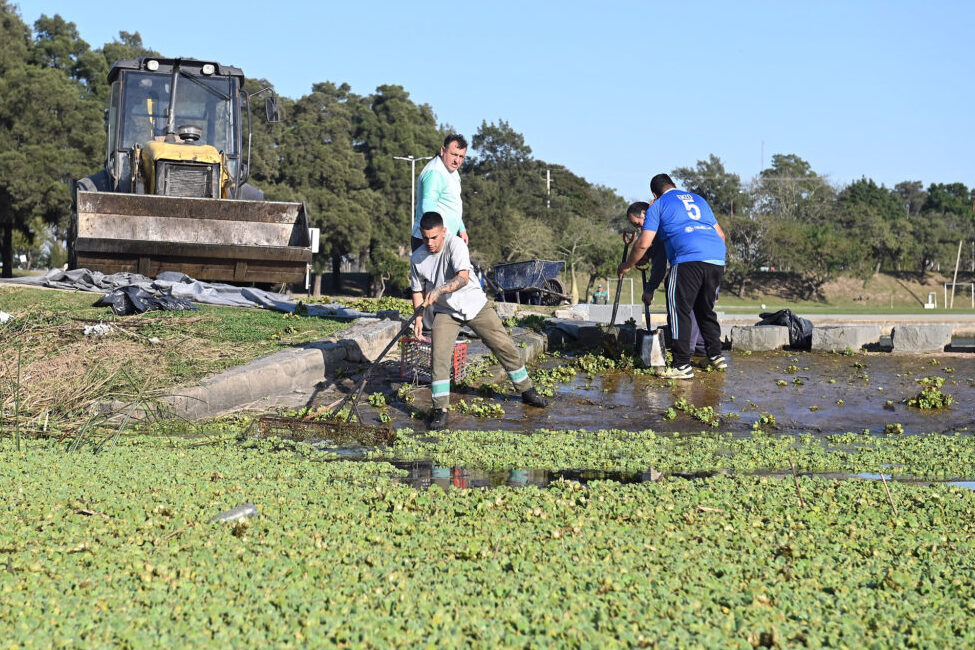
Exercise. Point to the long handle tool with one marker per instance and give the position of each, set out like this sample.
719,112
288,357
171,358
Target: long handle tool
352,399
646,307
627,239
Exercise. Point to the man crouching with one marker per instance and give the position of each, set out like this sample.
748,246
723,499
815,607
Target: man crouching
439,276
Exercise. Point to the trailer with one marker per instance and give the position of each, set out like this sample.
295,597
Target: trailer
532,282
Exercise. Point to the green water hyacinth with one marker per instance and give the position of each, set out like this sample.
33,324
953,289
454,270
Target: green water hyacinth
118,550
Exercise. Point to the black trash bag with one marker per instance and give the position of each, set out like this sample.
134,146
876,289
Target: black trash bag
800,329
135,300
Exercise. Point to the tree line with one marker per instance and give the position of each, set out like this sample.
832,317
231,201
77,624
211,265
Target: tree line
334,150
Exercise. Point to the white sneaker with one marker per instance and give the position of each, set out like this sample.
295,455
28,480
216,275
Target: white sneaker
681,372
718,361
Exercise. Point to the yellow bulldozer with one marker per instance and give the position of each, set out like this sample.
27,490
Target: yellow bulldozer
173,195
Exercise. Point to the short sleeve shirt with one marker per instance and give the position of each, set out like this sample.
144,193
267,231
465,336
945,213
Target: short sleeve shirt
438,190
686,224
431,270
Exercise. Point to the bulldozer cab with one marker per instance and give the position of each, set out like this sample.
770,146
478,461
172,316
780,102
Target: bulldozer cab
204,110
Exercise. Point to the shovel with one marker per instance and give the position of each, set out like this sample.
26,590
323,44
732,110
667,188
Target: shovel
332,426
627,239
612,343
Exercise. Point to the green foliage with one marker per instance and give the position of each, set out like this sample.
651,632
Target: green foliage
721,189
705,414
931,396
765,421
373,305
567,565
479,407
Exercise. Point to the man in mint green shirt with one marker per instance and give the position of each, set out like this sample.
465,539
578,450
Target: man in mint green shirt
439,189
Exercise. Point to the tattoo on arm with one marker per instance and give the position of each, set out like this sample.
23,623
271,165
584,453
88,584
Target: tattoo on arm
455,283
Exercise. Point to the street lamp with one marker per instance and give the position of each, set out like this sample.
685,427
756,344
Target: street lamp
413,162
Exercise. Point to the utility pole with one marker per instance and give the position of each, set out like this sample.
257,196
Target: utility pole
413,160
548,189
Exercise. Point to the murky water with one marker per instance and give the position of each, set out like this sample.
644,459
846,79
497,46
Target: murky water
424,474
804,391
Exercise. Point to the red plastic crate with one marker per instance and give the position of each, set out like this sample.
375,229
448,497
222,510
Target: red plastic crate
415,362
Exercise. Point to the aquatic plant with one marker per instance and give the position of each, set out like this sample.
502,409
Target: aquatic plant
931,396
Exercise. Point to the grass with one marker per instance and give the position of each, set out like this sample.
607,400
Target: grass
63,372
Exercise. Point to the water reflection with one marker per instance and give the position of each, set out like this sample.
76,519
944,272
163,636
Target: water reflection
423,474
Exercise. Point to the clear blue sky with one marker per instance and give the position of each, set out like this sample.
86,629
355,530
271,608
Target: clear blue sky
618,91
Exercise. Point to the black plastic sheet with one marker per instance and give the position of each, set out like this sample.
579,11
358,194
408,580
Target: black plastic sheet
800,329
135,300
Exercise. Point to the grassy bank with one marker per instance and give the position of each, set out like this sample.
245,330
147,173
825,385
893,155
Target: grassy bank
52,373
116,550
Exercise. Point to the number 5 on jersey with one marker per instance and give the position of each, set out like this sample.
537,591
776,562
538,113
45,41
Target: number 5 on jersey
693,212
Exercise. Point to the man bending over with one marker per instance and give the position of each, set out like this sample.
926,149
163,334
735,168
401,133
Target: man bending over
440,276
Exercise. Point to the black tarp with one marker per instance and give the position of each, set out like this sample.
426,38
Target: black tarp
800,329
135,300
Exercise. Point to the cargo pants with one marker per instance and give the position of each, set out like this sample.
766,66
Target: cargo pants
489,328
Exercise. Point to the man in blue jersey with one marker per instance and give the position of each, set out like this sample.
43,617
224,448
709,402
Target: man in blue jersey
438,190
656,257
695,246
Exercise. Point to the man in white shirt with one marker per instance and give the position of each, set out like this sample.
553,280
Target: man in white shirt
440,277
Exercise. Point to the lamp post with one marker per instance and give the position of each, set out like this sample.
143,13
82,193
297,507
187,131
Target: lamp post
413,160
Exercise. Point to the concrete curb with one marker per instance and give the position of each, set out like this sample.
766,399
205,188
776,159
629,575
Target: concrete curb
289,377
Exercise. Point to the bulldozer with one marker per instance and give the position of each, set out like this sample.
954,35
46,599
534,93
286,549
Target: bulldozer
173,195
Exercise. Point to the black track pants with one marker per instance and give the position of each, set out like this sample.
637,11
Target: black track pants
693,287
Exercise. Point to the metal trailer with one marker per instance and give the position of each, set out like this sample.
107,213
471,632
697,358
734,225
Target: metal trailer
533,282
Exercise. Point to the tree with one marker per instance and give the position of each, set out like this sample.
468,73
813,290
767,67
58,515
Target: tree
948,198
389,124
502,186
321,166
816,253
912,195
58,45
581,245
499,147
722,190
790,189
875,219
46,139
746,244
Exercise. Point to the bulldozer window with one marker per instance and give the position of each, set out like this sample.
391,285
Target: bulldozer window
206,103
144,105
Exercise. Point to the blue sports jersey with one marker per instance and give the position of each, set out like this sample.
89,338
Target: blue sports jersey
686,223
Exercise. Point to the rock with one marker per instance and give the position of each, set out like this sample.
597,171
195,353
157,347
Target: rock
389,314
369,338
568,314
840,337
584,333
505,309
758,338
921,338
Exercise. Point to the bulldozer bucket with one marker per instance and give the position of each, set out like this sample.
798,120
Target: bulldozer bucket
221,240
